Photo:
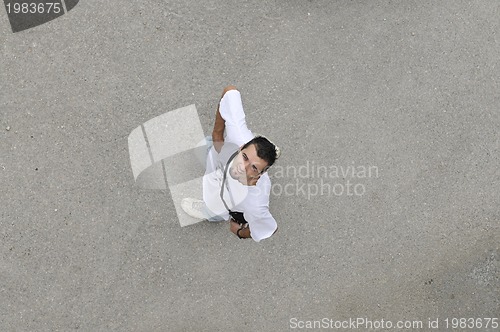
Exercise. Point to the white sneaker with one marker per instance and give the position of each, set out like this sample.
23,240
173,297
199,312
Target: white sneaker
194,207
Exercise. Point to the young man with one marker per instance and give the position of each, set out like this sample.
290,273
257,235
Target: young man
236,186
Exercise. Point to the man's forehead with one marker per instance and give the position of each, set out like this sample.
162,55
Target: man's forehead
251,153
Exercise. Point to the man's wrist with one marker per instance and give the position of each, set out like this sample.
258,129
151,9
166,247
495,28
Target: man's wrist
242,231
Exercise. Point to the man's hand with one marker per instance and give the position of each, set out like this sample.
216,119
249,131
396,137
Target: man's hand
234,227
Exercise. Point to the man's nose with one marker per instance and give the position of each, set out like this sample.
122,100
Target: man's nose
247,165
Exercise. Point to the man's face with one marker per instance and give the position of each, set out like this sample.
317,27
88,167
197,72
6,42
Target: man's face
247,166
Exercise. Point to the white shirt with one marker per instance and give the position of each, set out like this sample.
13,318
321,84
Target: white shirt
253,201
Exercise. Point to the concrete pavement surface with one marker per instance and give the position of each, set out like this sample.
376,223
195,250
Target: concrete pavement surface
386,195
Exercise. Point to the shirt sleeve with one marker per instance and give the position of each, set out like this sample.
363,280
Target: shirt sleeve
231,110
260,221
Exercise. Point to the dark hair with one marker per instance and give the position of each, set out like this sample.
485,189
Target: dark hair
266,150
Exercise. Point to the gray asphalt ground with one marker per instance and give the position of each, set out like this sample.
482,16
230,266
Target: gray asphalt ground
408,87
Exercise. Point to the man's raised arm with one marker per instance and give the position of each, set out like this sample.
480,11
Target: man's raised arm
220,123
